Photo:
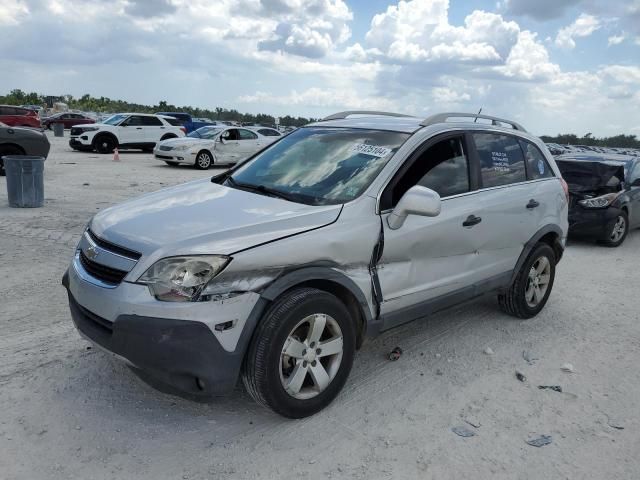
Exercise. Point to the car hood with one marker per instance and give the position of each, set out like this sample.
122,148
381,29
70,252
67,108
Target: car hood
584,176
174,142
202,217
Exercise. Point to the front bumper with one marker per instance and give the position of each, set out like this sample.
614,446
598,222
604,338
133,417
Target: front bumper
175,346
79,144
185,156
592,222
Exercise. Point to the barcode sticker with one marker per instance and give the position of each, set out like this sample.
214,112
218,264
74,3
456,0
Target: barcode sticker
373,150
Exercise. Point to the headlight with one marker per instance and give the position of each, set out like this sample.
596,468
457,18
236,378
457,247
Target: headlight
89,129
181,279
599,202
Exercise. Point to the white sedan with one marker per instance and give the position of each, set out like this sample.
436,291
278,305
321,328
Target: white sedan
215,145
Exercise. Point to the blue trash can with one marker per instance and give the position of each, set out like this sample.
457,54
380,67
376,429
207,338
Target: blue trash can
25,180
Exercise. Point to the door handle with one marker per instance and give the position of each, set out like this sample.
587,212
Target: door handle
532,204
471,221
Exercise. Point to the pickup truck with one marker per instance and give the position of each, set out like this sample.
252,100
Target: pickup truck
187,120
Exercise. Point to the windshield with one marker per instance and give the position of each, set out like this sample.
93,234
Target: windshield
115,119
321,165
205,132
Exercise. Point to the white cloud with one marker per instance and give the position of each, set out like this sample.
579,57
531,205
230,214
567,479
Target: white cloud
528,60
12,12
320,97
616,39
584,26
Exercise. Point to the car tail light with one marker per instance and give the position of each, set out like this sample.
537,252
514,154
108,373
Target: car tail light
565,187
184,130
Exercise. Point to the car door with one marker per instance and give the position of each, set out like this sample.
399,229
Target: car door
228,146
430,258
513,208
248,143
153,129
131,130
634,195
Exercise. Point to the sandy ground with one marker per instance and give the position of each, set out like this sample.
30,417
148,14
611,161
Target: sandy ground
69,411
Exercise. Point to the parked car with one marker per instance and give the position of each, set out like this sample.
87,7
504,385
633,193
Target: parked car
604,195
217,145
278,269
21,141
67,119
19,117
189,123
123,131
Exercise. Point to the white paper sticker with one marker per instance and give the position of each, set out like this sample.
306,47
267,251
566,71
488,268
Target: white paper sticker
373,150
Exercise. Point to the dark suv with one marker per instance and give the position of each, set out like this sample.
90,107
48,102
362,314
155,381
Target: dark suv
604,195
19,117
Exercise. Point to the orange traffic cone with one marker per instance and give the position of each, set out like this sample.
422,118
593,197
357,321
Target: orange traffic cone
116,155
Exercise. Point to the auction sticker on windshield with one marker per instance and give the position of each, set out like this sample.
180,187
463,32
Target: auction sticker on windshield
373,150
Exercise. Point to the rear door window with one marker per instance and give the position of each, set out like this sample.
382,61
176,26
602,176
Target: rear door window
501,159
537,166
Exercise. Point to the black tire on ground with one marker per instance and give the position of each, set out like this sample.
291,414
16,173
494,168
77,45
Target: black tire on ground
8,150
204,160
105,144
617,230
514,301
263,364
171,164
167,136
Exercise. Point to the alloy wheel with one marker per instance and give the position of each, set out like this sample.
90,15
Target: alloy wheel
204,160
618,230
311,356
538,281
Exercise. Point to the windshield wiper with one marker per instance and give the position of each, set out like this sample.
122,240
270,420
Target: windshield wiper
261,189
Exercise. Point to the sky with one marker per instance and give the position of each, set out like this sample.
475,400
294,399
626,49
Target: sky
556,66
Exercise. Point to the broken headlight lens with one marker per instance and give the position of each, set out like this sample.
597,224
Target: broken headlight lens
181,279
599,202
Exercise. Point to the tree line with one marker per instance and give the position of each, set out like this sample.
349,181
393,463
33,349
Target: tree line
622,141
88,103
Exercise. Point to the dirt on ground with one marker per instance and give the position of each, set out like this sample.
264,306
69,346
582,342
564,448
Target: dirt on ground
70,411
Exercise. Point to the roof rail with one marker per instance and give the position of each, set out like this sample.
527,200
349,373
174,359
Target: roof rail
443,117
341,115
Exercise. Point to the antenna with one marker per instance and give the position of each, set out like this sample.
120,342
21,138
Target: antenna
479,112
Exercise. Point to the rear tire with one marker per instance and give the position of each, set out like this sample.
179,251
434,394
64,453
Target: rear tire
105,144
285,368
168,136
617,230
8,150
532,286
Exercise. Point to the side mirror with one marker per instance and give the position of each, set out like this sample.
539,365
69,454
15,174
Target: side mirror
222,140
416,201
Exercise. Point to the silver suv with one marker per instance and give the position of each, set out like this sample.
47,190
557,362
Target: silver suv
277,270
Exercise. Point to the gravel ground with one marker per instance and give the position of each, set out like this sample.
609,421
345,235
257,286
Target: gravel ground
70,411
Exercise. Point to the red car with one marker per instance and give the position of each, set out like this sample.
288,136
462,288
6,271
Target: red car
68,119
19,117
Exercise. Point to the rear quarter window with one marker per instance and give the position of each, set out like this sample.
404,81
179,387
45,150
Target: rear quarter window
537,165
174,121
501,159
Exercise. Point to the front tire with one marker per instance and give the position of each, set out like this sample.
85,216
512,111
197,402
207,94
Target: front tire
105,144
204,160
532,286
301,353
617,230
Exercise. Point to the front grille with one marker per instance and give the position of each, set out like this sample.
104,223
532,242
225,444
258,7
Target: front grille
165,148
113,247
76,131
108,275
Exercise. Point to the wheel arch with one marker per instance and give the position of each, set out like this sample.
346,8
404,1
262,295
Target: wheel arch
549,234
13,145
331,281
167,136
210,152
